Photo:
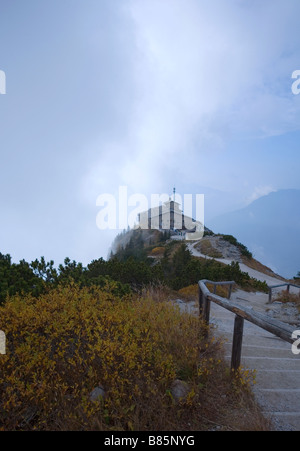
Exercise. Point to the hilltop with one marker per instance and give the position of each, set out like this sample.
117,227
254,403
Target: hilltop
216,256
181,264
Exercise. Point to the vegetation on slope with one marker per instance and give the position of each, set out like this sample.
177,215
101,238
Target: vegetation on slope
111,324
142,261
64,344
174,265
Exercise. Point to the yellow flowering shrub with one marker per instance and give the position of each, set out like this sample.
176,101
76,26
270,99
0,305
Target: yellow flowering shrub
157,251
62,346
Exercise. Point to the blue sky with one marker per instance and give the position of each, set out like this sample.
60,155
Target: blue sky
146,94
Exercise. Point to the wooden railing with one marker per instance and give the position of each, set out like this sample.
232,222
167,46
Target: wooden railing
278,328
288,285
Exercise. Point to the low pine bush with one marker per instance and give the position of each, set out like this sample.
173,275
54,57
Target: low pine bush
65,343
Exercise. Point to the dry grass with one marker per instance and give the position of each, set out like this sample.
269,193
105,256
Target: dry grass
71,340
286,297
256,265
189,293
158,292
221,290
206,248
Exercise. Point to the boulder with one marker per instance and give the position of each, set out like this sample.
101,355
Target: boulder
179,390
97,394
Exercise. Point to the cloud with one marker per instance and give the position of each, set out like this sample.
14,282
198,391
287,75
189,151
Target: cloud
258,192
147,94
206,73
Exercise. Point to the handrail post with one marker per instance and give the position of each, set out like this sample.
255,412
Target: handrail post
206,309
288,286
237,342
200,297
206,314
270,295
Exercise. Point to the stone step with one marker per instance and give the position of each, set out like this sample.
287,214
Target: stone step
254,338
278,399
264,351
277,387
284,421
269,363
269,342
286,379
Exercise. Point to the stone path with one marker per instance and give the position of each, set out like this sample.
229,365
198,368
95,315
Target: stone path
277,387
252,272
277,369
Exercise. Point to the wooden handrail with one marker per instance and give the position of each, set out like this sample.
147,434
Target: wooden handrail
278,328
288,285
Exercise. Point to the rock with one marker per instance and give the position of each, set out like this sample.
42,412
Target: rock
97,394
179,390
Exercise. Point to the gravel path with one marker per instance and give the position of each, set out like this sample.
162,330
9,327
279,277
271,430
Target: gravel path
252,272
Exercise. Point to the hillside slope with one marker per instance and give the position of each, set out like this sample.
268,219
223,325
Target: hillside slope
220,249
270,358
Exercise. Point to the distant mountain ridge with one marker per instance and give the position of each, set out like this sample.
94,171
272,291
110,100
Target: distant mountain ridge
270,228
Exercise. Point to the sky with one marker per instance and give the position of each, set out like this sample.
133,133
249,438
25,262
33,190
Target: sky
146,94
